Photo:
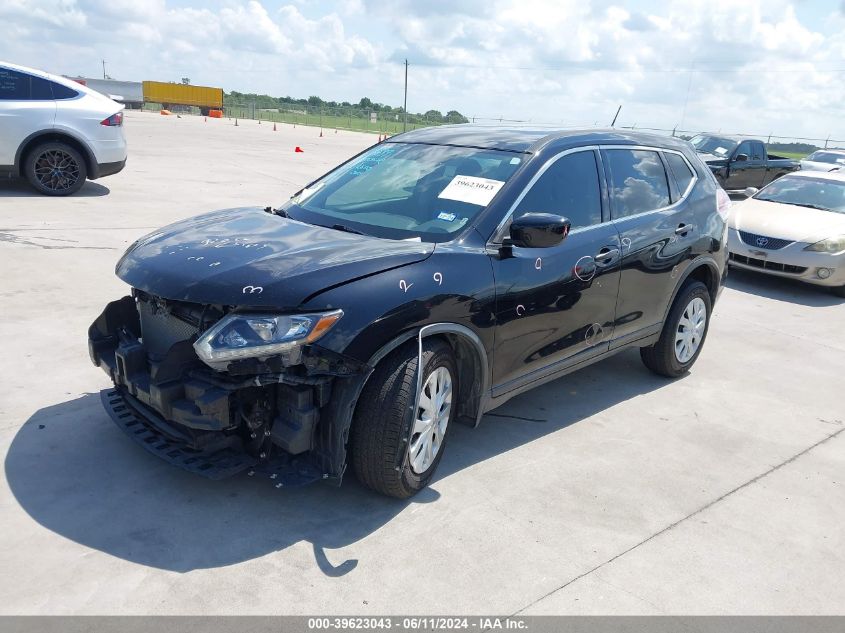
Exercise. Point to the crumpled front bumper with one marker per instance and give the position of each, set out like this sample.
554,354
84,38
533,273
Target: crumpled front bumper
213,424
137,422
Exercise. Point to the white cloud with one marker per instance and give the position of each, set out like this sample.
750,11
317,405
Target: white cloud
756,67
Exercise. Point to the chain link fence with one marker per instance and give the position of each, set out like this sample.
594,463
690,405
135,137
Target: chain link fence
390,123
326,117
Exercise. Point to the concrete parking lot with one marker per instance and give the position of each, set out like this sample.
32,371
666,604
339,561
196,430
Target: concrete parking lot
608,491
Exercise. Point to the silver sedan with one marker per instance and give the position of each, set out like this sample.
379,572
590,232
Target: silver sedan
824,160
793,227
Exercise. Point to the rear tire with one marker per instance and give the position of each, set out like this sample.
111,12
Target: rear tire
376,442
55,169
683,335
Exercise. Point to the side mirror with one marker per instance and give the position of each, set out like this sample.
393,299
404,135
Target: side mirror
750,191
539,230
741,158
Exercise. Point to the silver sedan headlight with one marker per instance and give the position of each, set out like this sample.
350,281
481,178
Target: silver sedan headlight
833,245
238,336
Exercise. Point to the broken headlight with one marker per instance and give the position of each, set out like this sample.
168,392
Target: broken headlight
238,336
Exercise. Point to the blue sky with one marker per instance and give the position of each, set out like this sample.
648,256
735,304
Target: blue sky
756,66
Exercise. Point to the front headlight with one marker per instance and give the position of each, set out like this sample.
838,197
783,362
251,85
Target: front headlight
830,245
238,336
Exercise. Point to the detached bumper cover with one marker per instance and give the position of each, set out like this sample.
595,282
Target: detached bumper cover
133,420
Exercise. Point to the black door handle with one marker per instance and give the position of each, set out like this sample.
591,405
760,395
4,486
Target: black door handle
683,229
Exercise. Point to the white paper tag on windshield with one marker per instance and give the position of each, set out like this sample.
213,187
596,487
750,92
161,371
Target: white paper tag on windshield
721,151
471,189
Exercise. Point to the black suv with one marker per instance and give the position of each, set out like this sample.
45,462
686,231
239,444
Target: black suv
421,283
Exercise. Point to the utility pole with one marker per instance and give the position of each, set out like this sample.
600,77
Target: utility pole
104,69
405,107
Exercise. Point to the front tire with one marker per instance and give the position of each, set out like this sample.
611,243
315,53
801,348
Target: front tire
839,291
55,169
376,442
683,335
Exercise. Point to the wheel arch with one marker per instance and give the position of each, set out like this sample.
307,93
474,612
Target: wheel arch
47,136
473,367
703,269
474,379
471,358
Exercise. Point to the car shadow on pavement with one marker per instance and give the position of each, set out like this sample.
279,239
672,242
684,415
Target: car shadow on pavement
781,289
75,473
14,188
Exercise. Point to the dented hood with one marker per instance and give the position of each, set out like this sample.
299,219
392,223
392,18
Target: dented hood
249,257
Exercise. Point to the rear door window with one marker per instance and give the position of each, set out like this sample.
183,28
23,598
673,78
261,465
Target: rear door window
638,181
14,85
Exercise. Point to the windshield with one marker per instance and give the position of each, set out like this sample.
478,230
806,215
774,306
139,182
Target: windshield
816,193
716,145
827,157
407,191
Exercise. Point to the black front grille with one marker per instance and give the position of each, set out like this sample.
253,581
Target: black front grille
767,265
763,241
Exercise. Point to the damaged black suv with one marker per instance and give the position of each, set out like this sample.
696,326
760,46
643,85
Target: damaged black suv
420,284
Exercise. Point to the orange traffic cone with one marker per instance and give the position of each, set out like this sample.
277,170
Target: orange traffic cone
298,150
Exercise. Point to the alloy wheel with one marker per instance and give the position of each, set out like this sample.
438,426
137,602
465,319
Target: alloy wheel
56,170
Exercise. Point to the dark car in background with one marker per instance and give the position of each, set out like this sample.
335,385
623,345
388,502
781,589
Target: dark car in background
739,163
420,284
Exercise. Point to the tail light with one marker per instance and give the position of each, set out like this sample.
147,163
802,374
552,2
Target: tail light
113,120
723,203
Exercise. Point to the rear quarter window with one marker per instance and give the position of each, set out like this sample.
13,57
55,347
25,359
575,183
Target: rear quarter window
680,170
637,182
40,89
62,92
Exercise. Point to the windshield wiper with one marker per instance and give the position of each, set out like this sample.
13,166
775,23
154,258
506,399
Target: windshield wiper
280,212
347,229
809,206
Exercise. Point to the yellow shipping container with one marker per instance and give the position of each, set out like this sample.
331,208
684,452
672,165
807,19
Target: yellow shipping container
168,94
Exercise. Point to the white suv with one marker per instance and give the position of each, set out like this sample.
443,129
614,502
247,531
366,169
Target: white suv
56,132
